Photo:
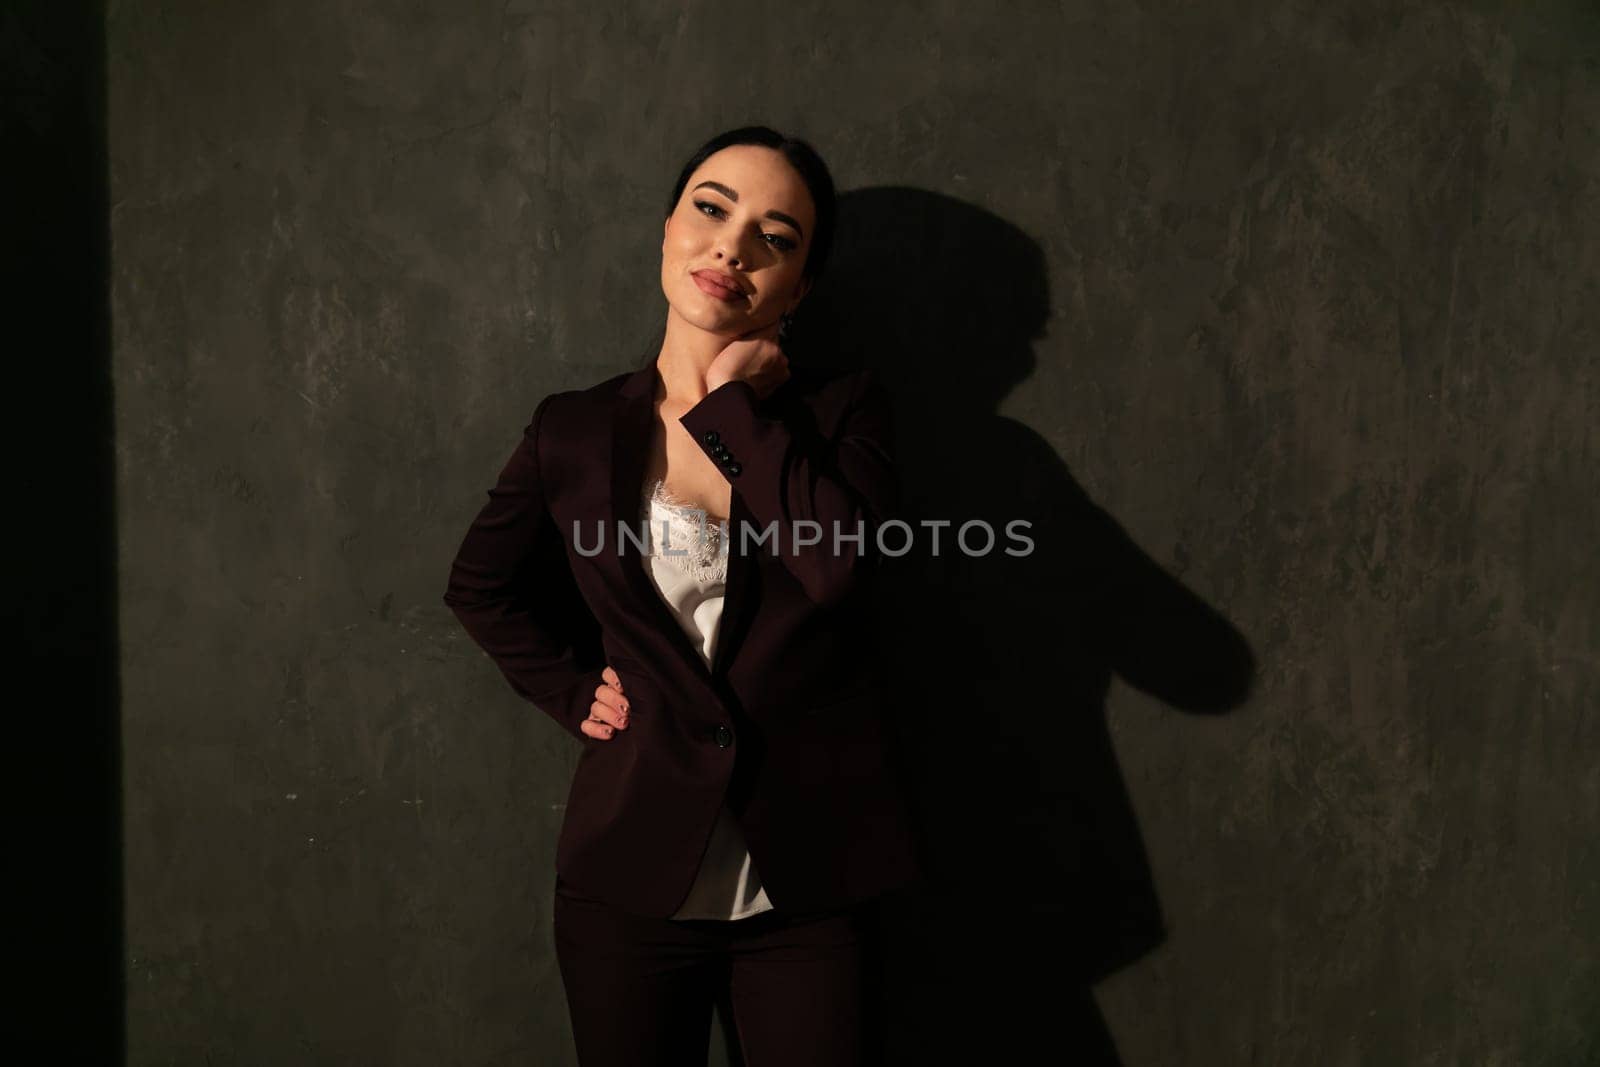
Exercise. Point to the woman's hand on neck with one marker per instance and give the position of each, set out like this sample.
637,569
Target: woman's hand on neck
687,353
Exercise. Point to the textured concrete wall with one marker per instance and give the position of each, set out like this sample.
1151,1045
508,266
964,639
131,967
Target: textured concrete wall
1302,297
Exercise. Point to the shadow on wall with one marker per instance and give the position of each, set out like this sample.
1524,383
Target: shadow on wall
1038,884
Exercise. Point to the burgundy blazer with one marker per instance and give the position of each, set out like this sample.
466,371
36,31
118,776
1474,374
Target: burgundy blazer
788,723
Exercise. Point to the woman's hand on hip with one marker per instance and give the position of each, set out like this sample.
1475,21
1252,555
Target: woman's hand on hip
609,712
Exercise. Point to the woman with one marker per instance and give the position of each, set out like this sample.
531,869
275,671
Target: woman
733,819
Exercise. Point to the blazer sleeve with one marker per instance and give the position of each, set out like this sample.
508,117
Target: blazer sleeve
512,589
785,475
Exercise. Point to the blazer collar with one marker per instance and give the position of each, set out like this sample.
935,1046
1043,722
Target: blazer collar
632,421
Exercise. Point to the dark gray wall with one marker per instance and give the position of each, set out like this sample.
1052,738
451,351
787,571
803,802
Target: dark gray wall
1313,320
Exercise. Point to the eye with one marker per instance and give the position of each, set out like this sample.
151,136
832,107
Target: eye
777,240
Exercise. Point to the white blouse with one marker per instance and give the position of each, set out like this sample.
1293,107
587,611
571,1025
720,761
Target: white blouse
689,567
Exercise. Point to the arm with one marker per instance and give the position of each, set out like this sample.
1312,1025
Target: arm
786,475
512,589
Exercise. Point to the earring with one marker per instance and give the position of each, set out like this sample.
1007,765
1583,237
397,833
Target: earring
785,323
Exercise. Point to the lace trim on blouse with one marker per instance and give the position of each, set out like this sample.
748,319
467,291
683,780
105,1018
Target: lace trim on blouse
695,544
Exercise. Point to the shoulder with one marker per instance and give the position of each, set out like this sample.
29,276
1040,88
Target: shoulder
832,387
569,408
834,400
567,427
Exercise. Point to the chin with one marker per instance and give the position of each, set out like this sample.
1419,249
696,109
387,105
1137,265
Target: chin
708,314
705,319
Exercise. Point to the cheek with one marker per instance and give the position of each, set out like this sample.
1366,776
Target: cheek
671,254
678,246
782,285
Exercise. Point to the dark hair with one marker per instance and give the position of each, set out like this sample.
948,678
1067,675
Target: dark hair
806,162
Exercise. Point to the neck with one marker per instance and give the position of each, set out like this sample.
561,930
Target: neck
685,356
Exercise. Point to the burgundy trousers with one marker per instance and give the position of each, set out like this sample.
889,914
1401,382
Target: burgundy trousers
791,988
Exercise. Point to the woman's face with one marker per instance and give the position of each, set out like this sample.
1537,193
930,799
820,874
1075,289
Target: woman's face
745,218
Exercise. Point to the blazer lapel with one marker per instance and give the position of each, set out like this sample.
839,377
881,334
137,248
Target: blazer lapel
632,423
743,591
731,629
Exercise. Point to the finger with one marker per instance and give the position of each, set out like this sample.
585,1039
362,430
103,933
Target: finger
610,716
768,332
614,702
603,720
609,708
612,678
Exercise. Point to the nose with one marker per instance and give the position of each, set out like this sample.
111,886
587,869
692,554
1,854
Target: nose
730,249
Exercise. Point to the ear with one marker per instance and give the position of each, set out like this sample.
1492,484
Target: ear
800,292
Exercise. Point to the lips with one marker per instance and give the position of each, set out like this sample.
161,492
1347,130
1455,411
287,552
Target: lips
722,281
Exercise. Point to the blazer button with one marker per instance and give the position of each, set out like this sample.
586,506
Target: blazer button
720,451
724,736
709,437
733,469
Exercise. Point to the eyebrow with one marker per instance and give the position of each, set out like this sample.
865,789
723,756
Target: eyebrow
777,216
